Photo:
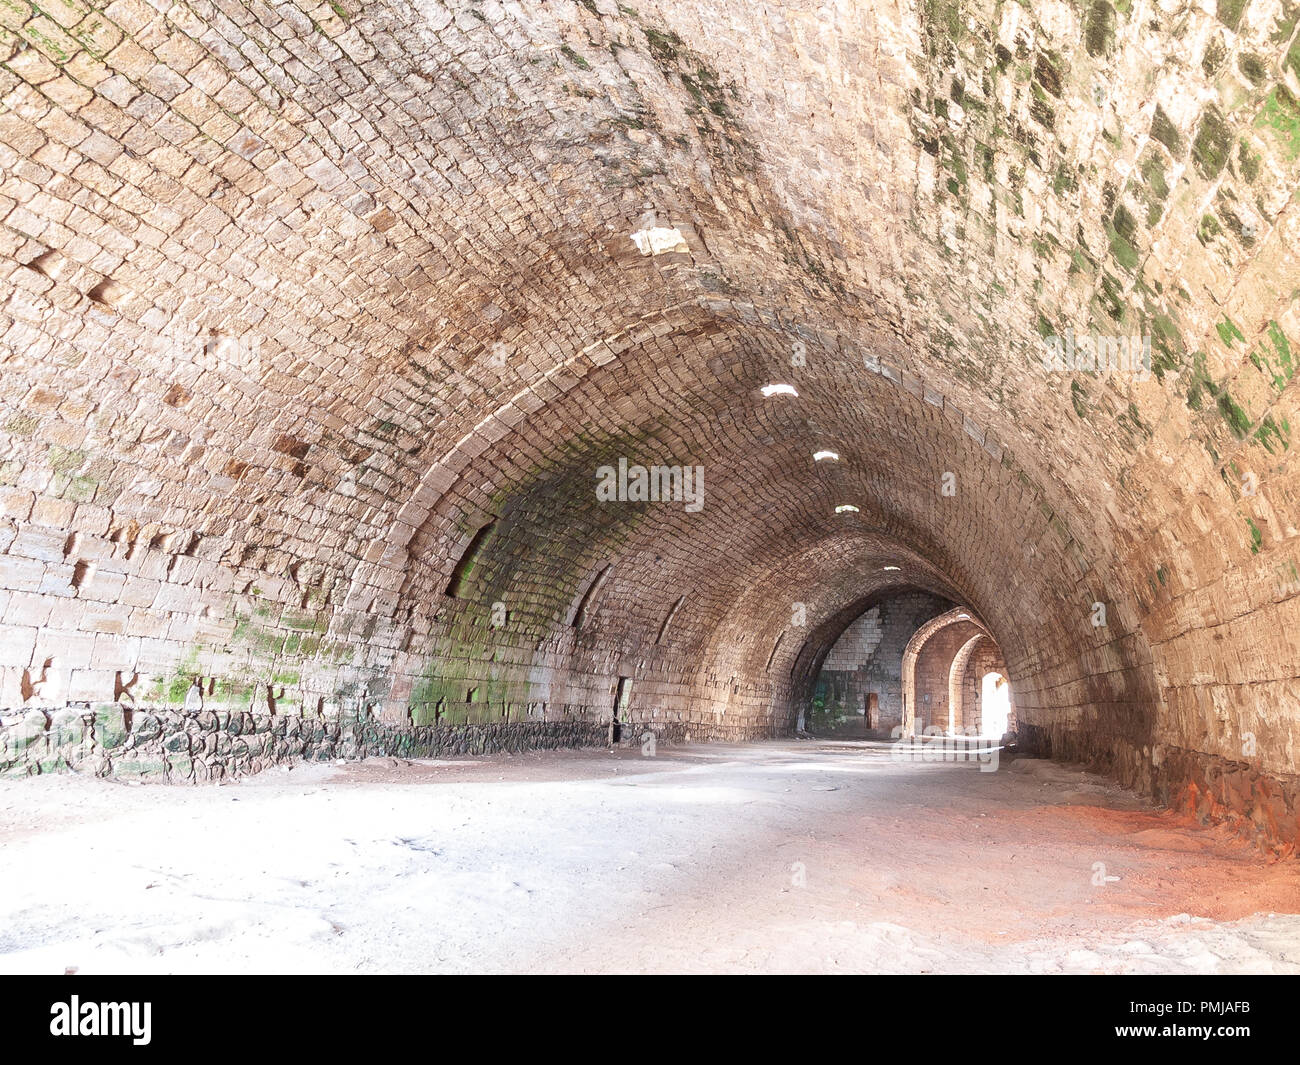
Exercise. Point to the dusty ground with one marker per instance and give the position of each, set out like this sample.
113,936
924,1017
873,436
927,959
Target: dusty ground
800,856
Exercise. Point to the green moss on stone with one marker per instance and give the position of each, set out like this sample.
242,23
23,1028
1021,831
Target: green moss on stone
1124,252
1079,399
1256,537
1253,67
1291,62
1283,348
1228,332
574,58
1199,383
1238,420
1229,12
1247,162
664,47
1111,298
66,459
945,17
1212,143
1274,438
1099,29
1152,169
1281,115
1163,130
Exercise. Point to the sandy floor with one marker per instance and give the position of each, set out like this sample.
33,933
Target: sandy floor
790,857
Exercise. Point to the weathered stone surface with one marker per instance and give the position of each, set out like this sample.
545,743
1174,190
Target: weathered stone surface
170,745
318,321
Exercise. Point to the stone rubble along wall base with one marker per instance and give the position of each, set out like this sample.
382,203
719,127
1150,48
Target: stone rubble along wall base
1257,806
176,747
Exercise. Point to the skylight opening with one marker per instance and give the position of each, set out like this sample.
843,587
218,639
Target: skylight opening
826,456
778,390
846,508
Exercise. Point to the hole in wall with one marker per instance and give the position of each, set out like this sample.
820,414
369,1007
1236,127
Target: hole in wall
291,446
82,574
43,263
108,293
622,695
123,688
178,396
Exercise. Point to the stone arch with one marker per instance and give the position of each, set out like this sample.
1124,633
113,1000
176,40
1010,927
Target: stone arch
274,365
987,658
912,653
957,700
862,670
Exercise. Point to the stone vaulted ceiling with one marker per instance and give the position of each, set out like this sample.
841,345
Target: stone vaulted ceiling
296,299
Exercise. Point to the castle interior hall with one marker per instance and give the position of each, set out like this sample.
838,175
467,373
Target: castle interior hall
666,486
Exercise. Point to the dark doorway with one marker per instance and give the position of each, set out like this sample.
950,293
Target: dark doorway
621,697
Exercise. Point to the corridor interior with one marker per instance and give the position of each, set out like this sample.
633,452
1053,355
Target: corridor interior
411,405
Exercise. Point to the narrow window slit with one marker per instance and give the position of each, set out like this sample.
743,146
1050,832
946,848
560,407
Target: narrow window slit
772,657
469,560
588,601
672,613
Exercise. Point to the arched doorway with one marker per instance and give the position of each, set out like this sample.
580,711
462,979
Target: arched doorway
995,705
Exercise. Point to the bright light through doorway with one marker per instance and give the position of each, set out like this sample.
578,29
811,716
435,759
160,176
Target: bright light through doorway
995,705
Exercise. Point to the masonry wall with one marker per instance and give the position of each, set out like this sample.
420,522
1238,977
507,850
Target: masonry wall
211,746
933,665
868,657
298,299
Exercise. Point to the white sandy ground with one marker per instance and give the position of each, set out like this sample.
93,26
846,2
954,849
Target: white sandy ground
798,856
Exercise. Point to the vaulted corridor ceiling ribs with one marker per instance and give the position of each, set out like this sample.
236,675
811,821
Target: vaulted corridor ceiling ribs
318,323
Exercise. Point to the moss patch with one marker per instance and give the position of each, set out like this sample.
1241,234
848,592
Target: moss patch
1256,537
1229,12
1163,130
1099,29
1281,116
1079,399
1212,143
574,58
1200,383
1228,332
1273,436
1238,420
